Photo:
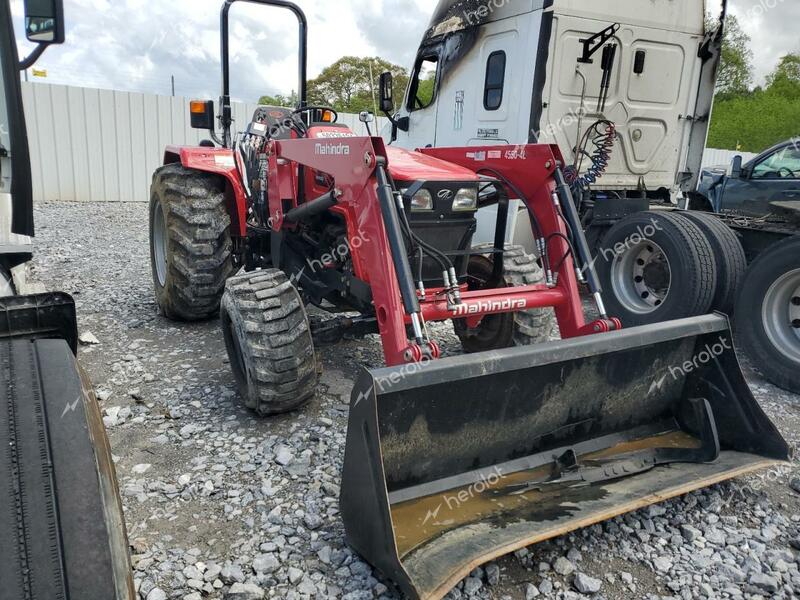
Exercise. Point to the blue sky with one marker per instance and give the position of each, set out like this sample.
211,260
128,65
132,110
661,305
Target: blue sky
139,44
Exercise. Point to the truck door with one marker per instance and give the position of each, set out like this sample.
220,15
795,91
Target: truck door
771,178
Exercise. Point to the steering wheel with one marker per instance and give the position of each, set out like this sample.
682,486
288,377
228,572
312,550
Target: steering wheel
792,174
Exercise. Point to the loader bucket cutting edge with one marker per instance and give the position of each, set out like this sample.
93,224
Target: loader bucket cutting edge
453,463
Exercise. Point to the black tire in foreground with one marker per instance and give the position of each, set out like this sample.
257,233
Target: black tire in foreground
62,531
729,256
190,242
655,267
268,338
767,321
523,328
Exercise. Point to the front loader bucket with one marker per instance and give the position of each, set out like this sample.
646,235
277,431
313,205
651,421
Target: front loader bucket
452,463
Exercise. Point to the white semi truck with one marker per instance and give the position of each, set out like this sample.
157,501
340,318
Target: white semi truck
556,71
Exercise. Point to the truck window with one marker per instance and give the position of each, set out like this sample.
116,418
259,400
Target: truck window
495,80
424,85
784,164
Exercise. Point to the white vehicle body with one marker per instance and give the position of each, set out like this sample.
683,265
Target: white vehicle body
661,106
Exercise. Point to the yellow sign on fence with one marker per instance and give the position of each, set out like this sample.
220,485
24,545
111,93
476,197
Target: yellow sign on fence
40,72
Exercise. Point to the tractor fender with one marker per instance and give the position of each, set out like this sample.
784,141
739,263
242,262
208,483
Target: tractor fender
218,161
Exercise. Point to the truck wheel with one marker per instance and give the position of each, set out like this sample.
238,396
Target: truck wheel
507,330
190,242
655,267
729,256
61,523
767,320
268,338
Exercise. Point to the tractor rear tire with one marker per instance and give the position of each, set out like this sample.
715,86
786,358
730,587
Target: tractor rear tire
767,321
269,343
524,328
190,242
655,267
729,256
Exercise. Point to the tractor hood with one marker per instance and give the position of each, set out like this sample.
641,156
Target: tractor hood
405,165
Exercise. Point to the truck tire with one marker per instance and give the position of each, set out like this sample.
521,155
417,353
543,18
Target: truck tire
523,328
61,523
269,344
636,263
190,242
767,321
731,261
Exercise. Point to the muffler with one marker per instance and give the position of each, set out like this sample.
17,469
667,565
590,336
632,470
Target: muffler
452,463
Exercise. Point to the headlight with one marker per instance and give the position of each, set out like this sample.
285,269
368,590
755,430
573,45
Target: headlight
422,200
466,199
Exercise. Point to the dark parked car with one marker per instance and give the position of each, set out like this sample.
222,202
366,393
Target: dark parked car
773,176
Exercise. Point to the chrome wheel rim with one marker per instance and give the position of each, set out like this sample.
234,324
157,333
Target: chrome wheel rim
159,241
781,315
641,277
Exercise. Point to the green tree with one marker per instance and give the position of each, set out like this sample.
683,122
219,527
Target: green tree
736,70
346,86
785,79
289,101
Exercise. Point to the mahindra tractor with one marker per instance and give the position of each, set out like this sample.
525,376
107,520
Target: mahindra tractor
534,437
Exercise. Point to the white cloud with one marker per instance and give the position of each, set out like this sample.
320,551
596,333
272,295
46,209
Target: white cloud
138,44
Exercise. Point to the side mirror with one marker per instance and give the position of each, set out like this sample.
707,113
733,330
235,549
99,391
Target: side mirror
366,117
736,168
387,93
44,21
202,114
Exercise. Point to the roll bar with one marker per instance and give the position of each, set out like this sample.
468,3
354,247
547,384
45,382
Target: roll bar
226,118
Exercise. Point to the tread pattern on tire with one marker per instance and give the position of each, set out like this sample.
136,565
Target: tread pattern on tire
704,278
534,326
61,524
265,311
200,255
730,257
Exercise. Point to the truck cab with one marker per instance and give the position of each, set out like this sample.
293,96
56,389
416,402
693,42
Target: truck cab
540,71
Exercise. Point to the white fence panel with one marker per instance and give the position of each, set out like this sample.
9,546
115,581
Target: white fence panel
103,145
722,158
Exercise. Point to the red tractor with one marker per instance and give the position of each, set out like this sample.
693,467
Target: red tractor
298,210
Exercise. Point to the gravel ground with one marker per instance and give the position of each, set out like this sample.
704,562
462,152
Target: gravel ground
220,504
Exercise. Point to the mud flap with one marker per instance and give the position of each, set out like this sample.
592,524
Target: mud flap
42,316
453,463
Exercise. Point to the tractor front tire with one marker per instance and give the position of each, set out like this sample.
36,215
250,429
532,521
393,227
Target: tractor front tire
268,339
190,242
524,328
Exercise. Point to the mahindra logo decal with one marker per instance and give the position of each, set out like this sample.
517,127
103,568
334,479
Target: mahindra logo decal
332,149
445,195
483,307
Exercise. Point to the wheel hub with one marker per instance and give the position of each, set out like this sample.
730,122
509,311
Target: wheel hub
159,242
781,315
641,277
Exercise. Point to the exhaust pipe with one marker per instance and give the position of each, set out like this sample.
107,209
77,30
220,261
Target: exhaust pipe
452,463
